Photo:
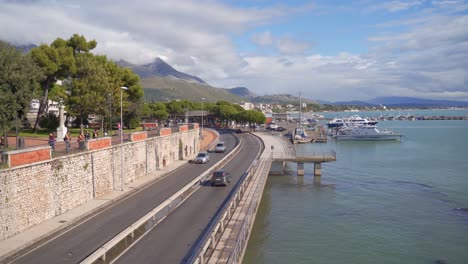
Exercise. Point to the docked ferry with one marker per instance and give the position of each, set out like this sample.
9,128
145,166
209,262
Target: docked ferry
366,133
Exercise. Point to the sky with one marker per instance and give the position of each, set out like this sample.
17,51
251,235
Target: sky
327,50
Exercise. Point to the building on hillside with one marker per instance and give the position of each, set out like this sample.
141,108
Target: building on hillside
247,106
280,116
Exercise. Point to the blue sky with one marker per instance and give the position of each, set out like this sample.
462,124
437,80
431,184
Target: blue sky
329,50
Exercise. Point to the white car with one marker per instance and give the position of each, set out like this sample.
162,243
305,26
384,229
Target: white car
202,157
272,127
220,148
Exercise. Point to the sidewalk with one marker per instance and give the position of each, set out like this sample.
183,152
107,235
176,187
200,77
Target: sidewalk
274,143
33,235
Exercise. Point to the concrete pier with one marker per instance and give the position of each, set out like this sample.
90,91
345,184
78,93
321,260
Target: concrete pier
300,169
233,241
318,169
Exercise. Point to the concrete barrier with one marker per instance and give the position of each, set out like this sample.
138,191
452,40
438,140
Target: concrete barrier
138,136
27,156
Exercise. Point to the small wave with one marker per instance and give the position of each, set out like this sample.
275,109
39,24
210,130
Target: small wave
414,184
462,210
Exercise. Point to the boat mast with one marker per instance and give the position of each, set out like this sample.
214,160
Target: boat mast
300,110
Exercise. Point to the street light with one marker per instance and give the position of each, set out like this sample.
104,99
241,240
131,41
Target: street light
203,99
121,137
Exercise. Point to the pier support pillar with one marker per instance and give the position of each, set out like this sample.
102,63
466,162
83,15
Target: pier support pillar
300,169
318,169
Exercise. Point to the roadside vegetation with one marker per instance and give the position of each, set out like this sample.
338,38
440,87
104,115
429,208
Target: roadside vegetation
89,87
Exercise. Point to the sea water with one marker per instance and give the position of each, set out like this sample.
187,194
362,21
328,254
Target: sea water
380,202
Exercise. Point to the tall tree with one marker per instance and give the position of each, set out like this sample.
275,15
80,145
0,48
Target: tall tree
88,86
19,77
56,62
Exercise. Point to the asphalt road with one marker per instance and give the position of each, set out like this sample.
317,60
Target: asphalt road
172,240
77,243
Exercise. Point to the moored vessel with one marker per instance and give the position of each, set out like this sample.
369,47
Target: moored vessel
365,133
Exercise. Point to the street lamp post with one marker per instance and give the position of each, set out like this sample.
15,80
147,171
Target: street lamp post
110,115
121,137
203,99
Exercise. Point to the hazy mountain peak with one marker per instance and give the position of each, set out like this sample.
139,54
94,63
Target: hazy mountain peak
241,91
159,68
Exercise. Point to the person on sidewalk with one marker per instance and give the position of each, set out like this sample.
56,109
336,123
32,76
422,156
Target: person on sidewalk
95,134
52,141
67,140
81,141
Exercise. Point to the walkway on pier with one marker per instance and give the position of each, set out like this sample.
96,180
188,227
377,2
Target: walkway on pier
279,149
230,247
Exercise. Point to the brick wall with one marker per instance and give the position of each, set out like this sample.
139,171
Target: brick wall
98,143
31,194
137,136
165,131
28,156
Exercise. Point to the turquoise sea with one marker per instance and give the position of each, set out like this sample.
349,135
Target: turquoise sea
380,202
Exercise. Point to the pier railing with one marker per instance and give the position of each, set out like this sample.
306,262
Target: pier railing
298,155
216,227
245,227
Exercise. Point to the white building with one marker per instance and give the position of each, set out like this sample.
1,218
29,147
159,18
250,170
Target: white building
247,106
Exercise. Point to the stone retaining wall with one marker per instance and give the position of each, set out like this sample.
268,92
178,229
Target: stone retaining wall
31,194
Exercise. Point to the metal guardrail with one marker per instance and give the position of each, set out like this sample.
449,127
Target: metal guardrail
130,235
153,133
243,235
300,154
216,225
3,158
62,148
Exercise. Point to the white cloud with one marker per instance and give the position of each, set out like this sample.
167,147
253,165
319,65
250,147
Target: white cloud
263,39
395,6
288,46
428,59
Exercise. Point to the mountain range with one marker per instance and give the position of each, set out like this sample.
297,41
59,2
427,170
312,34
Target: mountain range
161,82
159,68
400,101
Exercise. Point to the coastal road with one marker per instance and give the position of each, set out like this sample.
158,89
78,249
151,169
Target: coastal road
172,240
75,244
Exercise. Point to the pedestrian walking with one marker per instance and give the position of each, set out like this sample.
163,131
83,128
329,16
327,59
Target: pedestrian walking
81,141
105,132
52,141
67,140
95,134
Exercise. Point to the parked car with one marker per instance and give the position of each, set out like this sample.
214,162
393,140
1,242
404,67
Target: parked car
220,177
220,147
280,129
272,127
202,157
238,130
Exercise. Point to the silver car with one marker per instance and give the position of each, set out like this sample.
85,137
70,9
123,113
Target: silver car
202,157
220,147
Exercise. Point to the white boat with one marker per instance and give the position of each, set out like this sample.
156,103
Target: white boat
336,122
366,133
357,120
299,134
354,120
